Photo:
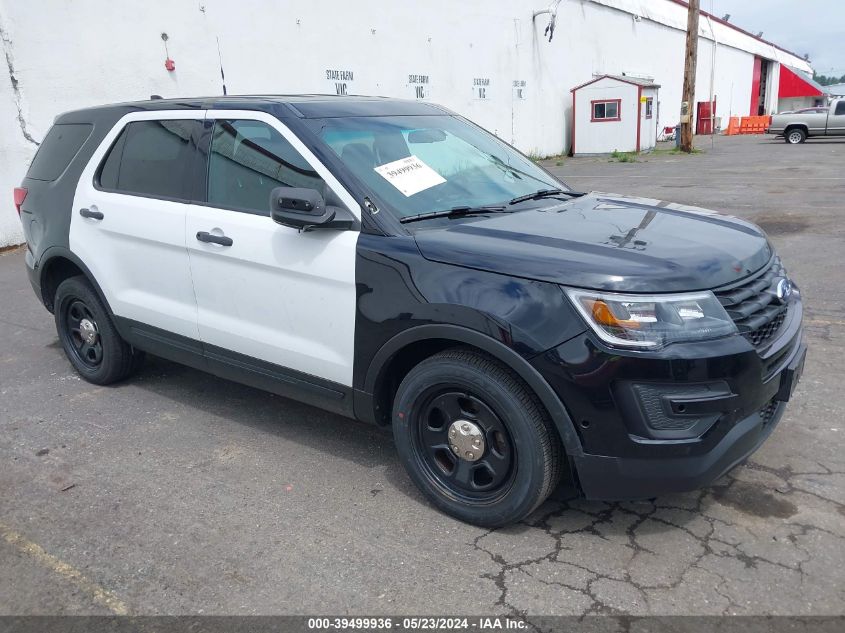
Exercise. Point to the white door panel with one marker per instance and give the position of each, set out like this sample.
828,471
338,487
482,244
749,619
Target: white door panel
137,251
141,266
281,296
278,295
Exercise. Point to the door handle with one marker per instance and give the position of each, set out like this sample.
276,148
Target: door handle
205,236
93,215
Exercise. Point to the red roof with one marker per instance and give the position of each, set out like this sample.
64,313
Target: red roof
794,84
634,81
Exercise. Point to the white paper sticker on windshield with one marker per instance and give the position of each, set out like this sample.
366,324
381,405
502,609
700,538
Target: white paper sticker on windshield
410,175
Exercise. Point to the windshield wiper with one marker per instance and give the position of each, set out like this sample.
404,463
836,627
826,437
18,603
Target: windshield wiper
454,212
546,193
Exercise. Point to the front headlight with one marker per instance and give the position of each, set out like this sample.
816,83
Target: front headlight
652,321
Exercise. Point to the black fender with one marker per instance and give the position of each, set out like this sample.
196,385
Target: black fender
60,252
380,362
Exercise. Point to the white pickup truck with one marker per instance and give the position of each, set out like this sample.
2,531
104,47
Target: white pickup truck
796,127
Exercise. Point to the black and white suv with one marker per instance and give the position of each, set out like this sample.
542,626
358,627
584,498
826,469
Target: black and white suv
390,261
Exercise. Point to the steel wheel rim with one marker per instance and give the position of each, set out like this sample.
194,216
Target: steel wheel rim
83,334
794,137
484,479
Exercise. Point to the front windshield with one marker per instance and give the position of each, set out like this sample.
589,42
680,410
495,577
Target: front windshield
424,164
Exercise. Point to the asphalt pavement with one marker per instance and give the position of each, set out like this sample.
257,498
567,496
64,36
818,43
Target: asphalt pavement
177,492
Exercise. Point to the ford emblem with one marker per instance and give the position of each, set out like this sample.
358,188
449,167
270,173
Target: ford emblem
783,290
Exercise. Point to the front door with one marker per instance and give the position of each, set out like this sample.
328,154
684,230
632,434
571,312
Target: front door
836,119
128,222
266,292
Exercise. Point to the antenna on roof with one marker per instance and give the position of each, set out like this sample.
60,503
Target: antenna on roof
220,59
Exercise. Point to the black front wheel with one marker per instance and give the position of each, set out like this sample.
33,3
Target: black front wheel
88,336
475,439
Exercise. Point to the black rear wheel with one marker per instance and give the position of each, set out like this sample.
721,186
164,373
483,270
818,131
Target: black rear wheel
475,439
88,336
86,344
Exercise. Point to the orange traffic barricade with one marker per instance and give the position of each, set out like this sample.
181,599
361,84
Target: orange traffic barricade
754,124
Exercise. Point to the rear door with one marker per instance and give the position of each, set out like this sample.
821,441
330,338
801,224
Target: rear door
270,299
128,222
836,119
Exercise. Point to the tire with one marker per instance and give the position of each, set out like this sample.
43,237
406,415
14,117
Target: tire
795,136
88,335
486,405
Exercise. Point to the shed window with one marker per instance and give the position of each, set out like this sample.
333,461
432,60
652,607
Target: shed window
649,107
606,110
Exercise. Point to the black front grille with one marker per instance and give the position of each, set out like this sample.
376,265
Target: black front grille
768,411
763,334
754,307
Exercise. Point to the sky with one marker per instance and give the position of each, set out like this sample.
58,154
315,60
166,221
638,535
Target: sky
816,27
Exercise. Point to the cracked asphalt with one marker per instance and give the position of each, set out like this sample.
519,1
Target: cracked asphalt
180,493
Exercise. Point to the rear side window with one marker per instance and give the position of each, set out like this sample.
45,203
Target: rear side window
151,158
61,144
249,159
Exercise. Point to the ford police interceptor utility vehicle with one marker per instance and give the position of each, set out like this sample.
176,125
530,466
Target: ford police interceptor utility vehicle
392,262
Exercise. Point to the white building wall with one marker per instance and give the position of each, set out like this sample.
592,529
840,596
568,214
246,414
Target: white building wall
797,103
74,53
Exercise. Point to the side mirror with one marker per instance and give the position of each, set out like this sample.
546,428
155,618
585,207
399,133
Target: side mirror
305,209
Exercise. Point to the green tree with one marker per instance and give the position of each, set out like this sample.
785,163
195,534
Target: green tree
824,80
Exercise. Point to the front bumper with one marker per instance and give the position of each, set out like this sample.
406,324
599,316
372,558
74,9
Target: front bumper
624,456
619,478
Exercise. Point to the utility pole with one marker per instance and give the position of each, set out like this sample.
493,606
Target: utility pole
689,77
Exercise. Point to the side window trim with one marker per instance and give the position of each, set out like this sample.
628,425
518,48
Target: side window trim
100,155
259,116
199,180
98,173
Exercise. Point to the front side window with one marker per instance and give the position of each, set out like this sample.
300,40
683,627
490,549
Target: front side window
840,108
606,110
151,158
247,160
422,164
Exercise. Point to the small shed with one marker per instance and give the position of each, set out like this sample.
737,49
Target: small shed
614,112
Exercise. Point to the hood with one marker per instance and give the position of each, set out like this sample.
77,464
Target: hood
606,242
